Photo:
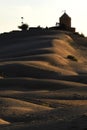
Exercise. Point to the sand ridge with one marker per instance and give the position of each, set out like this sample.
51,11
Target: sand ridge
40,87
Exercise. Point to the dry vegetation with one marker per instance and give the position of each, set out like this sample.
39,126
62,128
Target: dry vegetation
43,81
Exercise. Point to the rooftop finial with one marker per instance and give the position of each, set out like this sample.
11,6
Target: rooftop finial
64,11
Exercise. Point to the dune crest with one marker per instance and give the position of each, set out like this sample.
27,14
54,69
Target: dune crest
43,80
3,122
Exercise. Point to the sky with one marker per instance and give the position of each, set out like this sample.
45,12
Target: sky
42,12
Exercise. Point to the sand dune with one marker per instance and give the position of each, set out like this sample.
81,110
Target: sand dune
43,80
29,84
14,110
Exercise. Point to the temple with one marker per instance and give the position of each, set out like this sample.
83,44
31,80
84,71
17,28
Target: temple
65,23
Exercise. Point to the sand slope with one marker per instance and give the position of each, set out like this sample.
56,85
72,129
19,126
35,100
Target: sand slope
40,87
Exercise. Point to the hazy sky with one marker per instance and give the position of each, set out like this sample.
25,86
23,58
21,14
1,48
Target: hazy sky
42,12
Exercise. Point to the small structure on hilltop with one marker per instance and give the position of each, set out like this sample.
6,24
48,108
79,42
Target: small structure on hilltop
24,26
64,23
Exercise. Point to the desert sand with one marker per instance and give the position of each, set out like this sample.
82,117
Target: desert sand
43,81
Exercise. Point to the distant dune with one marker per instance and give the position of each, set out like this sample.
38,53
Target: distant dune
43,81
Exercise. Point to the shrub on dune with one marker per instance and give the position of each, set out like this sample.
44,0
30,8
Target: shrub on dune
71,57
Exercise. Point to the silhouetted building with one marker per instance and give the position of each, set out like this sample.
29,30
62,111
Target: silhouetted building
65,20
65,23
